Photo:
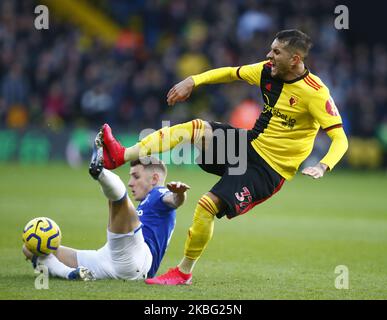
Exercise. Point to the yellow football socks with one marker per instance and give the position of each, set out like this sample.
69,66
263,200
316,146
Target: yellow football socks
166,139
200,233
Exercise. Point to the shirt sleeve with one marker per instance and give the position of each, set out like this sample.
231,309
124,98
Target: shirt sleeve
160,204
251,73
322,107
337,149
220,75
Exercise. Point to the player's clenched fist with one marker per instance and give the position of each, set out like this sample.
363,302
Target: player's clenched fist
181,91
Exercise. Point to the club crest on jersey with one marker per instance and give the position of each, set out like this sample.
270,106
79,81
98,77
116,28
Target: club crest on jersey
293,101
331,108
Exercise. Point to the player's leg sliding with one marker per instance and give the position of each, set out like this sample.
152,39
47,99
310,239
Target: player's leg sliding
58,269
81,273
114,189
114,154
199,234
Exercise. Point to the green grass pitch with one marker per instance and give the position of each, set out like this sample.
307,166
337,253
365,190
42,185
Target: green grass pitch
285,248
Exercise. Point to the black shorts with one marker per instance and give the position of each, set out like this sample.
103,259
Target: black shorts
245,183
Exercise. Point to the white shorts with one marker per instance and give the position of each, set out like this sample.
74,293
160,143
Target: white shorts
124,256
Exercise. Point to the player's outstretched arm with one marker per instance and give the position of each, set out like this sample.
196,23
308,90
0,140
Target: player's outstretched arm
181,91
339,146
178,195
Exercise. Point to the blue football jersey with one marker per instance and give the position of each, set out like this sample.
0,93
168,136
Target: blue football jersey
158,222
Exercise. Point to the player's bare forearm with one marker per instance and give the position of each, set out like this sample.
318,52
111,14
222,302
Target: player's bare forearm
178,195
179,199
316,171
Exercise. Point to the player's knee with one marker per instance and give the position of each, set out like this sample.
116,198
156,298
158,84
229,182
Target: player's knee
206,134
219,203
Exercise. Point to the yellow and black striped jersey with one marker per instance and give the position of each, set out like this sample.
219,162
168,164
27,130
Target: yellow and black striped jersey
292,114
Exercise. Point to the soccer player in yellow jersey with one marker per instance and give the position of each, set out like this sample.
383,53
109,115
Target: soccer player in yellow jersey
296,105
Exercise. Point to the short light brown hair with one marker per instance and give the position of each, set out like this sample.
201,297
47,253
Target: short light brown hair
152,163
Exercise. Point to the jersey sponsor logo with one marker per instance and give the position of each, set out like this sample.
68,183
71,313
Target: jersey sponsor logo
331,108
288,121
139,212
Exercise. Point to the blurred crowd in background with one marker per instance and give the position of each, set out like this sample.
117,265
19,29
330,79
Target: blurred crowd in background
62,77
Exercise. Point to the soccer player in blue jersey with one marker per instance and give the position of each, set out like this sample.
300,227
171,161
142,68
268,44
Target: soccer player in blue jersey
136,239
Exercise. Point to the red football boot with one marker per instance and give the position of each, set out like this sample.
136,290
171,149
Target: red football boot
113,151
173,277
